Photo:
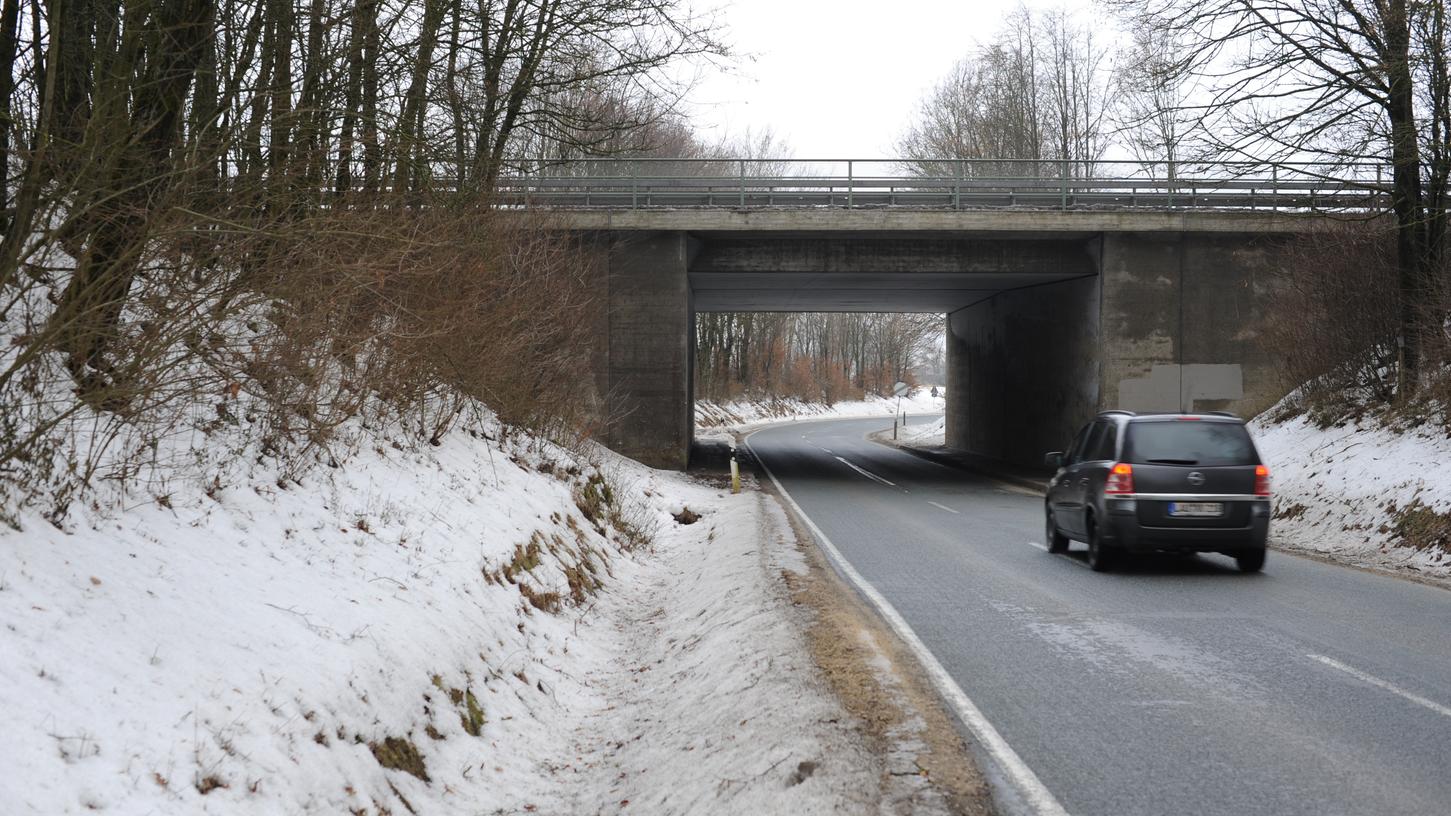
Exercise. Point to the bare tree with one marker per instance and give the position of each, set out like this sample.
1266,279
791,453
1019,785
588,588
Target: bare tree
1336,81
1037,95
1077,83
1152,94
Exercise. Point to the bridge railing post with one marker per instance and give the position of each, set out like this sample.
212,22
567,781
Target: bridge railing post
743,182
850,184
1275,186
1063,184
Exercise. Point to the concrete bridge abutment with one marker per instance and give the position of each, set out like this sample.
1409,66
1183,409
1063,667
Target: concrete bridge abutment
1169,323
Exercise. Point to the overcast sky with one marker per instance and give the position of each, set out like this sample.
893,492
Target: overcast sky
839,78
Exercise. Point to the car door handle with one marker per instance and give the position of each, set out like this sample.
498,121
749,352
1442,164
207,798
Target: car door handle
1083,482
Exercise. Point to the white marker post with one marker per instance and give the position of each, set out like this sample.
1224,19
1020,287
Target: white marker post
899,389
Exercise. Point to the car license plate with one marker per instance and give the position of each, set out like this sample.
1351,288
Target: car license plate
1196,509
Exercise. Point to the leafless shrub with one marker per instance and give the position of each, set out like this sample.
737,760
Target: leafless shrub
1332,321
401,319
416,314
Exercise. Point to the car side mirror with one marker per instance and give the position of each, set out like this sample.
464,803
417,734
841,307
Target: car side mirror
1054,460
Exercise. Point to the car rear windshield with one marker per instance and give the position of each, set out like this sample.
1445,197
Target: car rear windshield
1189,442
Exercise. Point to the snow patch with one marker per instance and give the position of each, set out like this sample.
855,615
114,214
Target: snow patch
743,415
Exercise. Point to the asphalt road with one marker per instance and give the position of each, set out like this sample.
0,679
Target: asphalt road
1171,686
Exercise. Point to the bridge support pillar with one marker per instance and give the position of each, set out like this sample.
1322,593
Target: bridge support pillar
1022,370
649,382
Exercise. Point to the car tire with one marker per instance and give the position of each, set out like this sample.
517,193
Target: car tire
1057,542
1250,560
1101,557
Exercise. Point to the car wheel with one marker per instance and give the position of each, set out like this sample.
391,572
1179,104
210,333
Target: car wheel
1100,556
1057,542
1250,560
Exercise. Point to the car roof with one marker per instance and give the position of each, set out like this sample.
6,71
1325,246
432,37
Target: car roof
1158,416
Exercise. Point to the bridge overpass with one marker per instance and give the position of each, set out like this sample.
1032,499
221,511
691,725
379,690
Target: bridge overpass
1055,310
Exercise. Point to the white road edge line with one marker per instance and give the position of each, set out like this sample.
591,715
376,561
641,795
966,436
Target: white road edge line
867,473
1444,711
1040,545
1025,783
944,507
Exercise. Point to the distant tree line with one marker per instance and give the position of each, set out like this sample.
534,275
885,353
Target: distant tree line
818,357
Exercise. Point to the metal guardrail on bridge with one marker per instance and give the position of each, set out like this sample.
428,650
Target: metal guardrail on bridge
948,184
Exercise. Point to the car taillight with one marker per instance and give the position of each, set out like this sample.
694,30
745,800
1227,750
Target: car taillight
1262,480
1120,479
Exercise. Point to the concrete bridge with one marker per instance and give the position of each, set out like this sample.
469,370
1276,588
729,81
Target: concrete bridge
1053,314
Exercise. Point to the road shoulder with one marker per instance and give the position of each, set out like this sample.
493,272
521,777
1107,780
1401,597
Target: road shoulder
928,767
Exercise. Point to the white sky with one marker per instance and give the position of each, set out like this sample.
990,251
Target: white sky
838,78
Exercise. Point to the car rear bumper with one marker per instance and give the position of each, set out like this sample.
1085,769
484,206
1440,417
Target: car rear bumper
1125,531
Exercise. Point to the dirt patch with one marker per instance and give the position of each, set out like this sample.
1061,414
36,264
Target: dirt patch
883,687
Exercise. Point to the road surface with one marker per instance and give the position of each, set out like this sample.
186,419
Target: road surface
1173,685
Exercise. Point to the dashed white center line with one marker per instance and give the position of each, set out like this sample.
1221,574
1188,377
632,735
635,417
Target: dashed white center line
1444,711
874,477
944,507
1040,545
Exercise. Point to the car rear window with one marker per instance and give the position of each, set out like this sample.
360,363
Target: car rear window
1189,442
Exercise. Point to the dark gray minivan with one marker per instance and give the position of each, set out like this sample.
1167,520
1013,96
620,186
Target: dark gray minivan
1160,482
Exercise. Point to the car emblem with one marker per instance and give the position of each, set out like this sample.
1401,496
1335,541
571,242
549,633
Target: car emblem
1196,478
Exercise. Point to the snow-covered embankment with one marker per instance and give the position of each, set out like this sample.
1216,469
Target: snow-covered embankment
1361,493
471,627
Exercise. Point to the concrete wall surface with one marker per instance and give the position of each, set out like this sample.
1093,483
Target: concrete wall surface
1022,370
651,329
1181,313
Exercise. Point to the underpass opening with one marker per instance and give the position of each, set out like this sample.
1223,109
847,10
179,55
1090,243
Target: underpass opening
821,317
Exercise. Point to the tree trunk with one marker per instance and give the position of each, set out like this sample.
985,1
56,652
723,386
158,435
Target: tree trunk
408,152
280,182
372,151
1411,259
168,48
357,35
312,116
9,43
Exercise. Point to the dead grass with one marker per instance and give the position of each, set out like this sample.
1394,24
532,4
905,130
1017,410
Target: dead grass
846,639
544,601
1420,527
1289,512
399,754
